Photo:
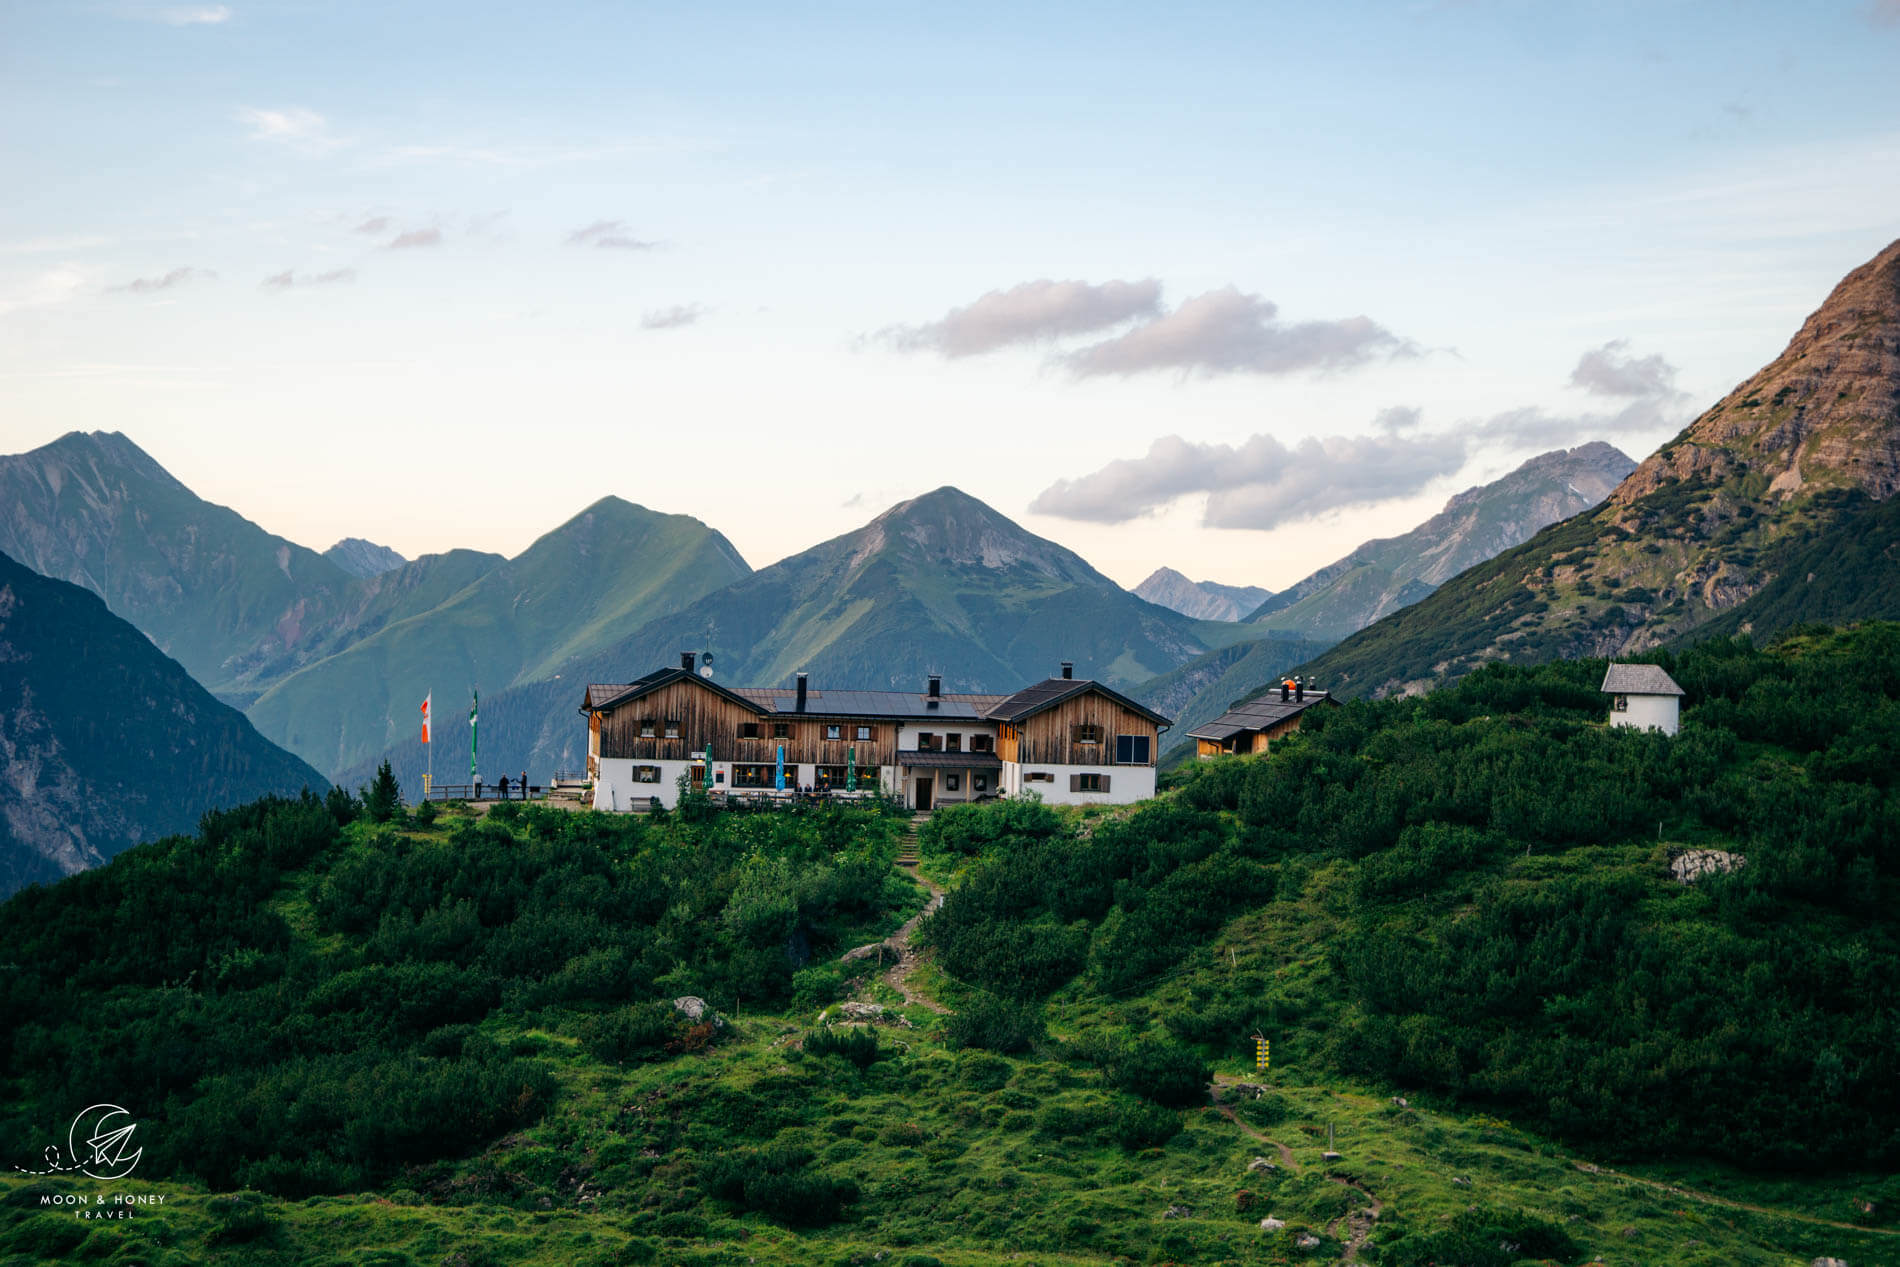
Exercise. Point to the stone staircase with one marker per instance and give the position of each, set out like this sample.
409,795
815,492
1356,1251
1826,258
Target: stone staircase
907,850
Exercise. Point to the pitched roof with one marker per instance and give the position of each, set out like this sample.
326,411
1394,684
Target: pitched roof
1639,679
1260,713
1052,691
654,681
908,705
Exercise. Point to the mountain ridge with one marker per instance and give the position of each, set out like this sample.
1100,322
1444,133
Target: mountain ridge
1787,476
104,740
1203,600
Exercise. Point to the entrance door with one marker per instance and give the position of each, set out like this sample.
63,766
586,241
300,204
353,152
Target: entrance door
923,793
698,777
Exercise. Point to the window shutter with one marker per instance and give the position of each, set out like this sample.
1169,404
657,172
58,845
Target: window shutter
1105,782
1075,783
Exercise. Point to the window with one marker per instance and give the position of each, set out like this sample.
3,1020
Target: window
647,725
953,743
1131,750
646,774
1088,783
834,732
1039,776
781,730
927,742
762,775
981,743
952,782
748,730
980,782
672,728
864,732
1088,732
1622,704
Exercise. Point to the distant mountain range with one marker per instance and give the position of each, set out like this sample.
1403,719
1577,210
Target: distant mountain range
104,740
1774,507
1384,575
363,558
1203,600
613,567
939,584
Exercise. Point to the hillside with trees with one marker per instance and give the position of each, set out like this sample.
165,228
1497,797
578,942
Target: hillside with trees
1499,1013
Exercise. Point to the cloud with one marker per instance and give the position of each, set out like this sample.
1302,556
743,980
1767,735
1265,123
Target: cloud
672,318
196,15
296,127
415,238
608,235
1611,371
1259,484
374,226
1397,418
286,280
152,285
1030,313
1228,332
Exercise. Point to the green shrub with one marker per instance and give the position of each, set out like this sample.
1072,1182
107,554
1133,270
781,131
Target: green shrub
816,987
1139,1124
1485,1238
779,1182
1163,1071
637,1032
994,1024
858,1046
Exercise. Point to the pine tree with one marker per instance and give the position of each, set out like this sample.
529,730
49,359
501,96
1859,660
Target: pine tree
382,800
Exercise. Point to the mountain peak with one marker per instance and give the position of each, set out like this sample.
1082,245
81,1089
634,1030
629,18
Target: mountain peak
947,525
363,558
1823,414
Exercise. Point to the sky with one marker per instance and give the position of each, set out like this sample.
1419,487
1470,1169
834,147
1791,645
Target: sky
1224,287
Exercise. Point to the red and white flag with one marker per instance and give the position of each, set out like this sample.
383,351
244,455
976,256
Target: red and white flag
425,715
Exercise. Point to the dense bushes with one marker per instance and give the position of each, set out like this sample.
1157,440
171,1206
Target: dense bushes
779,1182
994,1024
324,1060
1491,867
859,1046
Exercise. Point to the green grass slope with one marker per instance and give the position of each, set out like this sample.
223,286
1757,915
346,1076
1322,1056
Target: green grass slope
447,1040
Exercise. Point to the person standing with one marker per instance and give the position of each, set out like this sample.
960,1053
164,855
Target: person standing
523,785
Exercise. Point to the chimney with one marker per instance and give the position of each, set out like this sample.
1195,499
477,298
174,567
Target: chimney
1068,668
1299,690
936,687
686,661
1285,692
801,693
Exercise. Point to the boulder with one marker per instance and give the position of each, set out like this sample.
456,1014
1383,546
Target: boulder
696,1010
1247,1090
1271,1224
1693,864
1260,1163
1307,1241
1177,1212
1828,1262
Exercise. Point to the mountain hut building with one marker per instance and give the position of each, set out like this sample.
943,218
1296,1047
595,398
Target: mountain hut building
1073,741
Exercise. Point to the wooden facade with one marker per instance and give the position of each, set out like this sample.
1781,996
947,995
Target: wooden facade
707,720
1248,742
1057,735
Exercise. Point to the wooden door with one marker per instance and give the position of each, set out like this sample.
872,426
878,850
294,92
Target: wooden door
698,777
923,793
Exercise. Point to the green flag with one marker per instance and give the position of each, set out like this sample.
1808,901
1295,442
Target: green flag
473,709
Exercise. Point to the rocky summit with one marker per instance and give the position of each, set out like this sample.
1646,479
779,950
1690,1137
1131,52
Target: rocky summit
1772,508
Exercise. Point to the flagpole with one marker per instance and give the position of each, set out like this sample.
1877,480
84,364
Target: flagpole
428,779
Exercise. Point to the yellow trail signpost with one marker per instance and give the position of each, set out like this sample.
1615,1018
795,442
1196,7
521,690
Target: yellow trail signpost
1261,1052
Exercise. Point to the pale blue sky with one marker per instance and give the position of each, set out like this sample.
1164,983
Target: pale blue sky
787,201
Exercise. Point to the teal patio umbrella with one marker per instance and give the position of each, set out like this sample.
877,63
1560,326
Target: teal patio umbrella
779,774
